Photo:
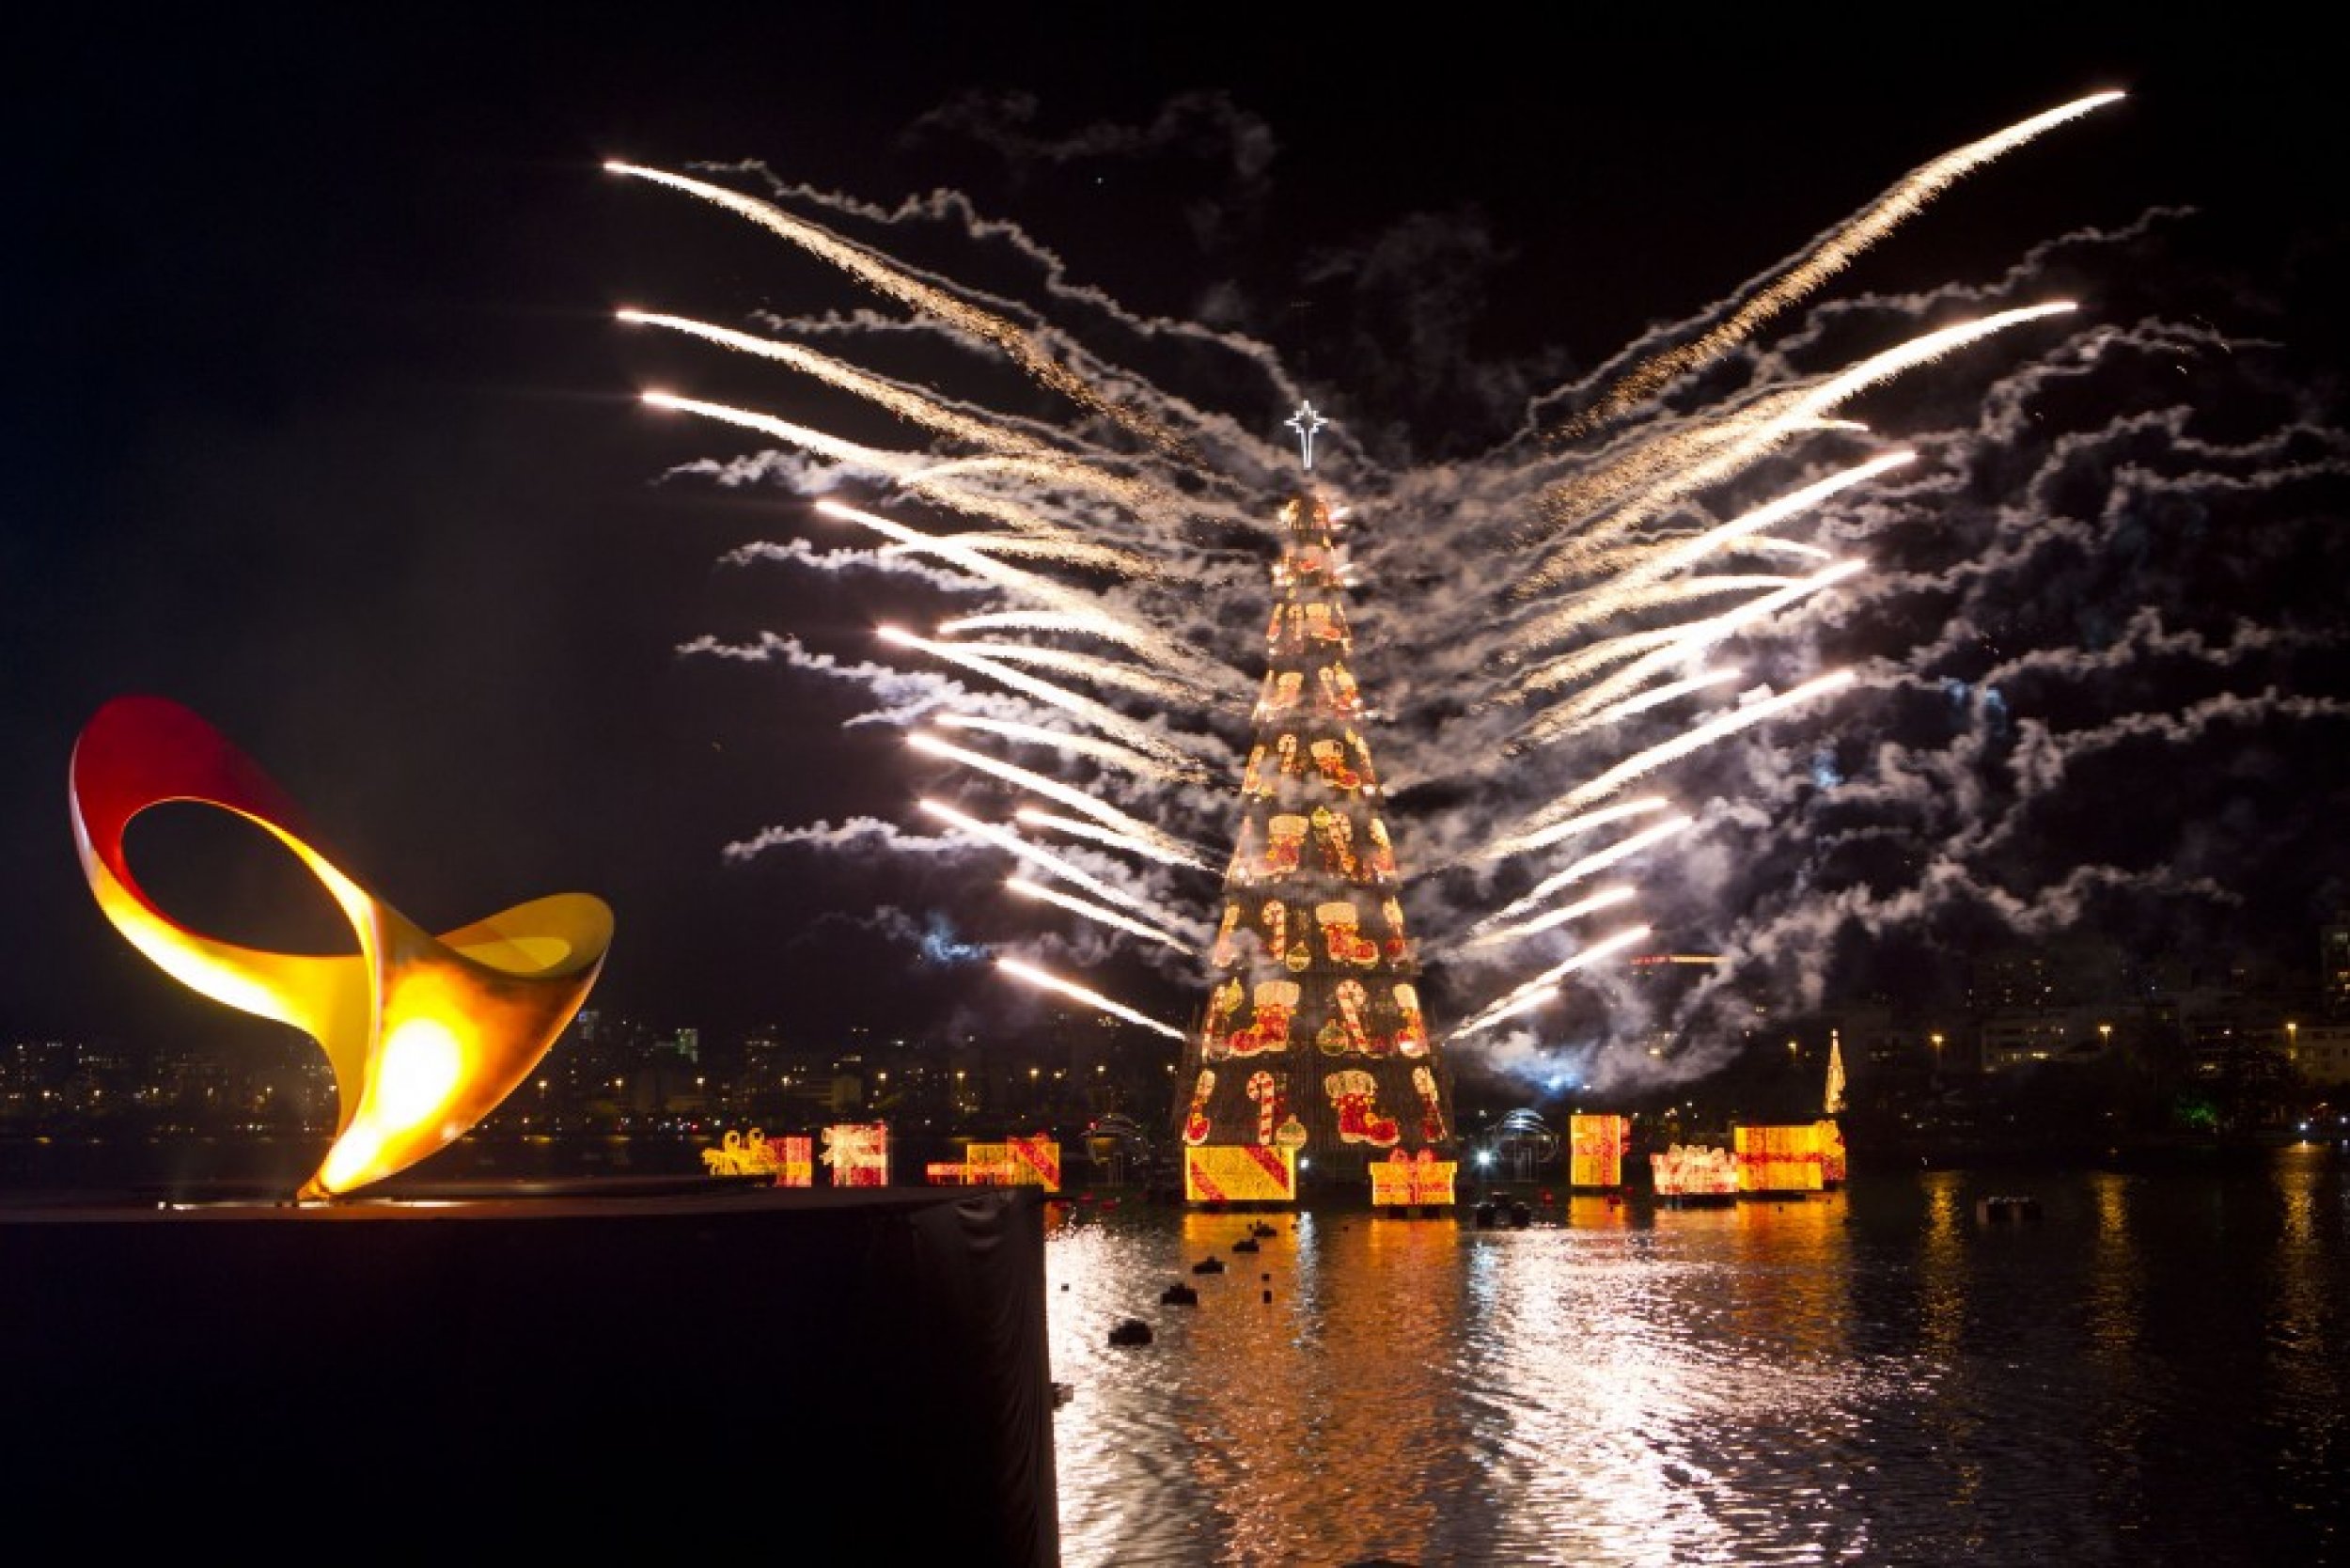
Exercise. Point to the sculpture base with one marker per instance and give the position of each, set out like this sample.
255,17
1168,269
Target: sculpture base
703,1370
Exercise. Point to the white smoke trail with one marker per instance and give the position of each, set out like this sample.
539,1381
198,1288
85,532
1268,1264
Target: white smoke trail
1607,898
1647,761
1137,735
890,280
1534,992
1011,843
1107,752
1841,246
1095,912
1590,865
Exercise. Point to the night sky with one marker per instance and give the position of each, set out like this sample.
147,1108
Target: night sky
320,422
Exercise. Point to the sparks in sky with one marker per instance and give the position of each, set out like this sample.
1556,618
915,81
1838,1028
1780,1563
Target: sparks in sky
1582,607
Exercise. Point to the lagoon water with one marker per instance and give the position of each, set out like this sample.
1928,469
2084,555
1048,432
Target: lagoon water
2155,1370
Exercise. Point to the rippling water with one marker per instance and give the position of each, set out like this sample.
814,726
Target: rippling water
2155,1370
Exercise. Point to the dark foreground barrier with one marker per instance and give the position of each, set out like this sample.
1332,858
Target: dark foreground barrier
710,1372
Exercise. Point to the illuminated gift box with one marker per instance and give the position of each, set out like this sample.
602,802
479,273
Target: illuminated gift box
797,1164
1036,1162
1778,1159
1694,1171
1598,1143
742,1154
988,1165
1409,1181
858,1152
1240,1173
754,1154
1020,1162
1831,1154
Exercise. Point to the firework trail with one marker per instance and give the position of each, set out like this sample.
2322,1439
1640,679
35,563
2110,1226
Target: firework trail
1830,256
1131,762
1129,830
1035,976
1014,452
1540,628
1028,889
1055,864
902,286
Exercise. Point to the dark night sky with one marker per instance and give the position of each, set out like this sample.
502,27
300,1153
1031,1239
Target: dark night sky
318,420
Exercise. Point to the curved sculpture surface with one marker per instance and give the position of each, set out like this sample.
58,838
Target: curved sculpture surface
426,1034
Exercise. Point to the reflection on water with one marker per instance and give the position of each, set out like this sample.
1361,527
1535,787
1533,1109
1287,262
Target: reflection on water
2151,1372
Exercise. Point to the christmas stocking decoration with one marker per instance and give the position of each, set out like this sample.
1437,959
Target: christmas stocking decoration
1338,690
1277,1001
1286,843
1350,1094
1341,937
1331,759
1221,1006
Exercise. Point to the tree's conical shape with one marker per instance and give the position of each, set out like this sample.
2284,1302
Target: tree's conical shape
1313,1036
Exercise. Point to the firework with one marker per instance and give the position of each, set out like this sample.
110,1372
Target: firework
1563,628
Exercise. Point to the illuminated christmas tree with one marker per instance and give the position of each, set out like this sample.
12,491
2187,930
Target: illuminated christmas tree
1312,1043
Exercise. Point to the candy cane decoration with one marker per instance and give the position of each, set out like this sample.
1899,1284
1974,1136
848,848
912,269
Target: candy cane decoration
1430,1113
1265,1090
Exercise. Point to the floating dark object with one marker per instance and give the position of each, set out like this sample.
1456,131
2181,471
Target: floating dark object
2005,1211
1179,1294
1244,1244
1061,1394
1261,1228
1208,1266
1132,1331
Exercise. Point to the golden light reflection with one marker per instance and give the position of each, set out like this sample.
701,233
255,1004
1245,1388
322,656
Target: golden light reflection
426,1035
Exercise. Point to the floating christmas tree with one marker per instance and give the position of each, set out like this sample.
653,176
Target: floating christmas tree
1311,1049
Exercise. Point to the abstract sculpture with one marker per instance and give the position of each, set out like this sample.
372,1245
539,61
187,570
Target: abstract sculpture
426,1034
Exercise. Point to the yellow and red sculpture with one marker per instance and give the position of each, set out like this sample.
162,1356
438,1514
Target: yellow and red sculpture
426,1034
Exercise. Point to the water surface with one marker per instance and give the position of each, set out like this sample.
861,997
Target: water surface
2153,1370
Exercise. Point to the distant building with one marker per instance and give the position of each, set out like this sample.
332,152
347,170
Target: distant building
2333,968
2320,1051
2014,1037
